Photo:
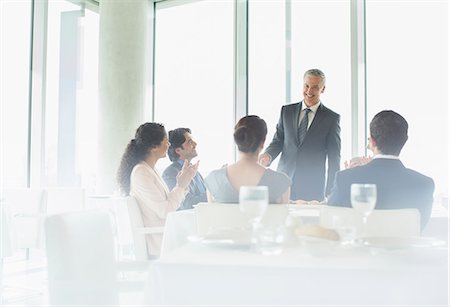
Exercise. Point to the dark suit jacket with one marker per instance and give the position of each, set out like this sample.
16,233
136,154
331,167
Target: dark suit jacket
397,186
194,196
305,163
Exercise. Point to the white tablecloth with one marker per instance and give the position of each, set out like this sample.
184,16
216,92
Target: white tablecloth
190,273
198,275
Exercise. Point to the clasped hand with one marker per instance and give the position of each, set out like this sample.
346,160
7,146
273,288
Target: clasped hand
187,172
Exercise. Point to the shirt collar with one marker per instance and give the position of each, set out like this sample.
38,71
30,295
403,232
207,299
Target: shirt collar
381,156
312,108
181,162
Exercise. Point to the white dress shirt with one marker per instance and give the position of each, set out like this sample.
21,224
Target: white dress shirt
310,114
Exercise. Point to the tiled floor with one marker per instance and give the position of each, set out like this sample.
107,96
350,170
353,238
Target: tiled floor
25,281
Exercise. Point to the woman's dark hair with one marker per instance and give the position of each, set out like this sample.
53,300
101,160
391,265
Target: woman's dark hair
249,132
148,135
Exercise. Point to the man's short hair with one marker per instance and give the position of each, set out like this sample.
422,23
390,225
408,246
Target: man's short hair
390,132
316,73
176,140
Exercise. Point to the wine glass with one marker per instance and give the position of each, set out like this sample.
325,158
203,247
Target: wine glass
363,198
253,202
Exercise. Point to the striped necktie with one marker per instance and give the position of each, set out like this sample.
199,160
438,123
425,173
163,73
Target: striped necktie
303,127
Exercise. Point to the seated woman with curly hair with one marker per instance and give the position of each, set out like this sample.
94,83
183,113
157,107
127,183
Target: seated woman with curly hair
138,177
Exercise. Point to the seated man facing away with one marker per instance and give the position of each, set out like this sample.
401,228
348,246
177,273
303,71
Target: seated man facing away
397,186
182,147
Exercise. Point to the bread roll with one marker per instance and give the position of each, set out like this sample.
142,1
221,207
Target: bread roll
314,230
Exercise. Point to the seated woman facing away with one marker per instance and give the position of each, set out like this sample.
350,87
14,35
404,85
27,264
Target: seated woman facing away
137,177
223,184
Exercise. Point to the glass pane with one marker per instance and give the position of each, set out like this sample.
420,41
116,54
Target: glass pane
194,76
266,62
321,39
407,71
15,65
71,89
87,101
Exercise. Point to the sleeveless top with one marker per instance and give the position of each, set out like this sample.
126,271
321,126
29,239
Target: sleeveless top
221,189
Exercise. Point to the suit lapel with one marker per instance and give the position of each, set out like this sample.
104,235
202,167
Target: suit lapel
320,115
295,121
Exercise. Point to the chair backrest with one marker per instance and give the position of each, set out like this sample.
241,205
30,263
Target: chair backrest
215,215
6,245
62,200
391,223
124,232
81,258
136,223
27,208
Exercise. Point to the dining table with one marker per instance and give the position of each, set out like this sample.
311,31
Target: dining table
306,272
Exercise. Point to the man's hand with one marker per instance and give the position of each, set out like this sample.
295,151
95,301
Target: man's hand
264,159
357,161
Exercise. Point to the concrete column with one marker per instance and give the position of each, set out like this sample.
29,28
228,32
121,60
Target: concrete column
124,71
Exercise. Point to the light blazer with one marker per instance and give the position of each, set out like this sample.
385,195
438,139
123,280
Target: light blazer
154,199
397,186
194,195
305,164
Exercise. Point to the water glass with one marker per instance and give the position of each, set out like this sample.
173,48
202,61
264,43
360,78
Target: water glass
269,239
345,228
363,198
253,202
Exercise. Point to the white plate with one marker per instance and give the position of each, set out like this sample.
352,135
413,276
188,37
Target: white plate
316,246
399,242
224,237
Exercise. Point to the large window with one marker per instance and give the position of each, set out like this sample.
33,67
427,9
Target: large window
194,75
267,62
284,42
15,19
321,39
71,92
407,71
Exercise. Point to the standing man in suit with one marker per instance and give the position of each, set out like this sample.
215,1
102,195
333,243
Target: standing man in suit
397,186
307,136
182,147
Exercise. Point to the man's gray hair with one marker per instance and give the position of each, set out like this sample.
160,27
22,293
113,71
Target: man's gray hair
316,73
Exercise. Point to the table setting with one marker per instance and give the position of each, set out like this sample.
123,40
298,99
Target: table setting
253,253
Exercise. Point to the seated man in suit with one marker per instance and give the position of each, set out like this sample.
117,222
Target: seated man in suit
182,147
397,186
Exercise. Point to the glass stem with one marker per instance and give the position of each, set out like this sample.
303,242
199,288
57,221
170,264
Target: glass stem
364,229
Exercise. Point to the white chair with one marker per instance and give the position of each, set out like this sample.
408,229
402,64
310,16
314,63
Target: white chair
6,247
215,215
27,209
180,225
437,227
139,231
82,266
62,200
390,223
